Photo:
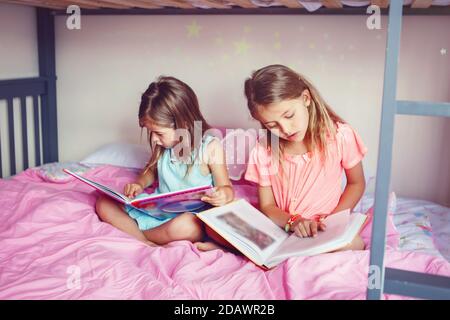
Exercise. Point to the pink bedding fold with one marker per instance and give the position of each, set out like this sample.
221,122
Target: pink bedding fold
53,246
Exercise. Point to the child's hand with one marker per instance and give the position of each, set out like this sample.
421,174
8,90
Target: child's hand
307,228
217,198
131,190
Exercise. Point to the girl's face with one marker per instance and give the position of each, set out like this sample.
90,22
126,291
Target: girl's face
287,119
162,136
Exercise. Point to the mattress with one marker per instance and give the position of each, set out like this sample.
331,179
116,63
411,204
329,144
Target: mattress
53,246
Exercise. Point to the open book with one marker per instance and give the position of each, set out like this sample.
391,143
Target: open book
159,206
266,244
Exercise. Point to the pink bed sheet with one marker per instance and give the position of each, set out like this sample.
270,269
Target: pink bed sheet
53,246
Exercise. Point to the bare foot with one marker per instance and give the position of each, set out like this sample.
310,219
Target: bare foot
207,246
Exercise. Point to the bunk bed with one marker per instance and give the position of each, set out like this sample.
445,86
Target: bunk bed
43,246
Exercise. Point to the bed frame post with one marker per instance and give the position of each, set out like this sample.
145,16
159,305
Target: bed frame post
47,70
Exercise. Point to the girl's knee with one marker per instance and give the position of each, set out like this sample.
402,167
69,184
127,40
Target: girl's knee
104,208
101,200
100,205
185,227
358,243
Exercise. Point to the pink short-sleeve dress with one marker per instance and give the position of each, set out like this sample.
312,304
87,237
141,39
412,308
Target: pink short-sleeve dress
305,184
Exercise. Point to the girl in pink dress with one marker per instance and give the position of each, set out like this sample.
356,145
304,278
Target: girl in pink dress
300,163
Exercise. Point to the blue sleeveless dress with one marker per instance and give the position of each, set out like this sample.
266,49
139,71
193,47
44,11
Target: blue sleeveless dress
172,177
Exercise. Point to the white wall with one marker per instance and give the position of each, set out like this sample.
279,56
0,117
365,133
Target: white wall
18,59
104,67
421,166
18,43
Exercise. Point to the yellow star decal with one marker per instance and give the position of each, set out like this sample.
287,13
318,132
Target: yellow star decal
225,57
193,29
241,47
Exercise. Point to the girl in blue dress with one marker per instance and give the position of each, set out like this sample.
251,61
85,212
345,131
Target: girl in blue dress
183,156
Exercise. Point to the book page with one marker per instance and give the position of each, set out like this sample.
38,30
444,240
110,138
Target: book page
109,190
250,230
160,206
355,225
332,237
169,205
165,208
189,194
102,188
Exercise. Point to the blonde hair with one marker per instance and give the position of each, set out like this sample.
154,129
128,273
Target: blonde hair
171,103
276,83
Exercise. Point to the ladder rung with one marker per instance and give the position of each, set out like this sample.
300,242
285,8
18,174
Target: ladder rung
415,284
422,108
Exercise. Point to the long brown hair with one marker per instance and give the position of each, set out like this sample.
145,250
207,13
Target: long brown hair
171,103
276,83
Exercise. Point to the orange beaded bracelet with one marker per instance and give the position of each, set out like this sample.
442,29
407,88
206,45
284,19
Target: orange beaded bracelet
290,222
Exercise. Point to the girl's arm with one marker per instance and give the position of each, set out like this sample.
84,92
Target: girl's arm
353,190
301,227
145,179
269,208
216,164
